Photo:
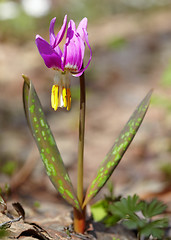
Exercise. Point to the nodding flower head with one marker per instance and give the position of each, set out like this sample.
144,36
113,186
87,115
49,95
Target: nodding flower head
70,60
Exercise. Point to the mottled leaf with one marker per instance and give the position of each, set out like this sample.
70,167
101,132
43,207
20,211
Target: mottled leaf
46,144
117,151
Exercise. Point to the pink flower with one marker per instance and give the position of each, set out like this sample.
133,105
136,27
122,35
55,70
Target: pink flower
70,60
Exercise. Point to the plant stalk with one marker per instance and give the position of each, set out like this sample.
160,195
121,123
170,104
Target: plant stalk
79,221
81,140
79,217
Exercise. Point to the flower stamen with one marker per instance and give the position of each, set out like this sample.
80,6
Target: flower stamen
64,96
54,97
61,93
68,99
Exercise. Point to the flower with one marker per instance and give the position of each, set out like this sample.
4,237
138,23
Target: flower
70,60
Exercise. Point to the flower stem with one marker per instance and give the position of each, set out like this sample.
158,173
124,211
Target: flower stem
79,221
79,217
81,140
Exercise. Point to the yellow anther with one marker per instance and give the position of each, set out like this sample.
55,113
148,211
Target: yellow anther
54,97
68,99
64,96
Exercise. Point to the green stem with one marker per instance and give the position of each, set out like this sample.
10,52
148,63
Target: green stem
81,140
79,217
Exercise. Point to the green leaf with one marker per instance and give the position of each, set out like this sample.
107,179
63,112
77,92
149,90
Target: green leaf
126,206
117,151
153,208
134,222
98,210
46,144
154,228
111,220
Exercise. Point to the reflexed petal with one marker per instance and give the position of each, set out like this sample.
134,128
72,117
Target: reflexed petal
61,33
51,31
82,47
50,57
72,49
87,42
82,25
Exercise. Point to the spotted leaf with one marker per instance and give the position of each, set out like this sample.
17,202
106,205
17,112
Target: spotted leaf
46,144
117,151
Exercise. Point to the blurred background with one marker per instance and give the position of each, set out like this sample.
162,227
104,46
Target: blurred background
131,44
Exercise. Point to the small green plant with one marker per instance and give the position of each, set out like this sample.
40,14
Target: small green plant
135,214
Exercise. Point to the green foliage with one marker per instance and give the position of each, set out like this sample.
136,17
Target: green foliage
116,153
3,233
153,208
46,144
9,167
126,206
99,210
136,214
154,228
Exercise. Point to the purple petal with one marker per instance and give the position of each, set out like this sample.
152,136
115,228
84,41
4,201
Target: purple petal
87,42
50,57
71,25
82,47
61,33
72,56
58,51
82,25
73,49
51,31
